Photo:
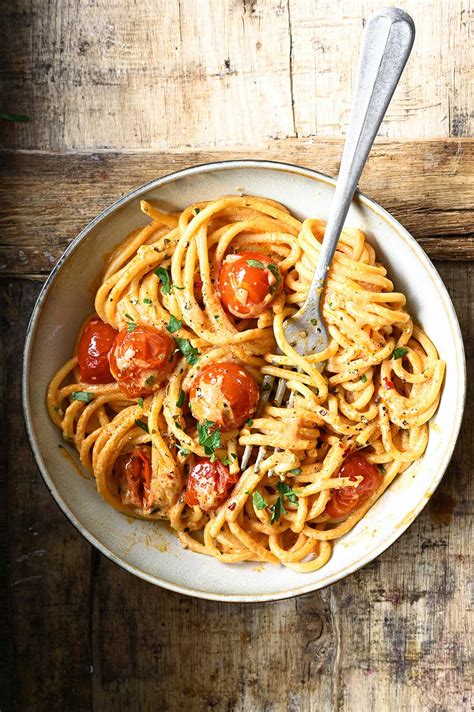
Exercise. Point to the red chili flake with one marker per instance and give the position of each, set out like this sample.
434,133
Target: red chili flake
231,506
388,384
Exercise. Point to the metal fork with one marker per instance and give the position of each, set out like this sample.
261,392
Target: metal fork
388,39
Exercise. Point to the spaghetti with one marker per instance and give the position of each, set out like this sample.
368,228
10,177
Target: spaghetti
161,396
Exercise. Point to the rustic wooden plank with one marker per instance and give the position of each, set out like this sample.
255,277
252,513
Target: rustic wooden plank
6,637
49,562
47,198
196,655
214,75
433,97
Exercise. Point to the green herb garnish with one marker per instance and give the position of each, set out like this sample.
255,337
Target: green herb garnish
181,398
249,423
131,326
174,324
274,270
83,396
142,425
258,501
19,118
183,451
278,508
296,471
196,211
399,352
255,263
147,301
189,352
363,378
164,278
140,402
226,461
382,469
208,437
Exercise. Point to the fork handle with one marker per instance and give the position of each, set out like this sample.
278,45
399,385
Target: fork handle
388,40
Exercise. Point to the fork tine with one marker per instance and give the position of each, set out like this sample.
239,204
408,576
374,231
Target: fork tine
267,386
264,398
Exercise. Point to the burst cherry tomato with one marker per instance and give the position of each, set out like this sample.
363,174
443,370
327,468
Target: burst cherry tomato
345,500
209,484
141,360
224,393
248,283
133,474
93,349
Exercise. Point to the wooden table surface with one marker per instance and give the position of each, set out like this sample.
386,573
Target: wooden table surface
119,93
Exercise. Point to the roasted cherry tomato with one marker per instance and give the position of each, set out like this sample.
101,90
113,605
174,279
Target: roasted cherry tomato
93,350
209,484
345,500
248,283
133,475
141,360
225,394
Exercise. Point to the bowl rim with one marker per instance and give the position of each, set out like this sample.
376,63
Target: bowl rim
129,197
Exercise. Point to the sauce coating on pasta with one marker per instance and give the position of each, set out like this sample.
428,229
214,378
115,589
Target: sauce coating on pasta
161,396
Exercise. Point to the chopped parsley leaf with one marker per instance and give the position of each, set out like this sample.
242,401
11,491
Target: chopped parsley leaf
142,425
181,398
183,451
249,423
164,278
274,270
189,352
255,263
382,469
83,396
19,118
286,491
363,378
400,352
174,324
140,402
147,301
196,211
226,461
278,508
296,471
258,501
207,437
131,326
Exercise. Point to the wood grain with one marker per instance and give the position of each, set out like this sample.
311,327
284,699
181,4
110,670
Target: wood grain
120,93
208,75
409,179
89,636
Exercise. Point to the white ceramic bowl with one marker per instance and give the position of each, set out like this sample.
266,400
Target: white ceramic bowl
151,551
